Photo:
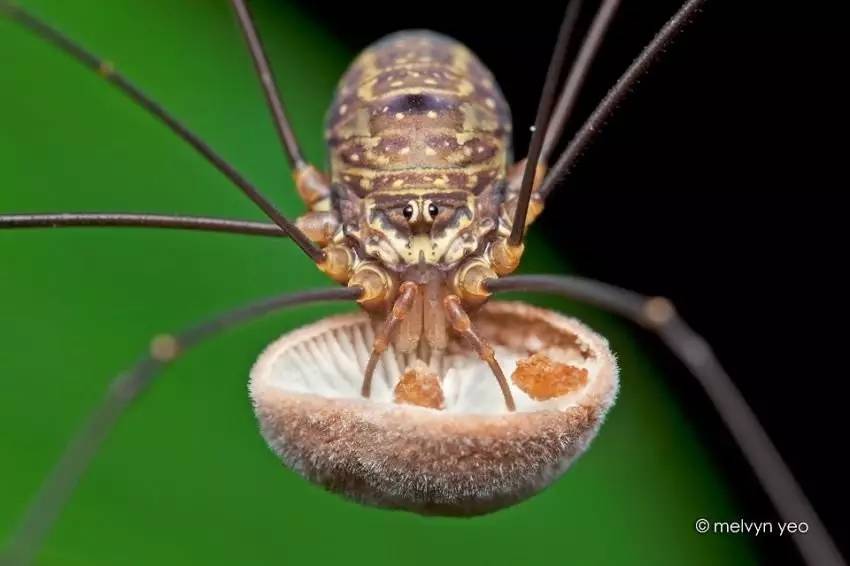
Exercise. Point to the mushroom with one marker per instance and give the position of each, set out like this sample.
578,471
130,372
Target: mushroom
435,438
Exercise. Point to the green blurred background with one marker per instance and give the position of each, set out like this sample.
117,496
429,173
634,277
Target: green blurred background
186,478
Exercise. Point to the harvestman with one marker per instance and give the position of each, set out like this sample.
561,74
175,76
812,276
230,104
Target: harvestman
387,268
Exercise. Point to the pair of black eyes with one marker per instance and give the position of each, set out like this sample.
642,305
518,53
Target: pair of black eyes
407,211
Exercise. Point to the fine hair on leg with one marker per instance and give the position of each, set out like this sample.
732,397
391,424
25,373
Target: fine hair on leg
541,121
578,72
605,109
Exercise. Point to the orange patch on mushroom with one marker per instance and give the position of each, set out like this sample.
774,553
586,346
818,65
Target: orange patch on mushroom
543,378
419,386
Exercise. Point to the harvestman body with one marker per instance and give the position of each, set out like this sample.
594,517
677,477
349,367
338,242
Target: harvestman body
421,218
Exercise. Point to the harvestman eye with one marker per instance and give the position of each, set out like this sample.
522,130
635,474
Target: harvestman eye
435,435
433,211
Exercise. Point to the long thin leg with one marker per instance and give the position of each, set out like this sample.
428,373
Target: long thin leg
406,298
107,71
124,390
578,72
593,125
313,186
541,121
463,325
125,220
261,63
658,315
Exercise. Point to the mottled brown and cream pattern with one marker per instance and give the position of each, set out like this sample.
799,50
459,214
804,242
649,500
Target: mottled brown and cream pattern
418,109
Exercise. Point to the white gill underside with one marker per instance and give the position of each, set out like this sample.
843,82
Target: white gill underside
329,362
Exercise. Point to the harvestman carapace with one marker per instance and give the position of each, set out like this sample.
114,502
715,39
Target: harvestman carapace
420,231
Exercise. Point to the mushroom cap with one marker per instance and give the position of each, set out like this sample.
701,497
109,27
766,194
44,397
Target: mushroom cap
470,458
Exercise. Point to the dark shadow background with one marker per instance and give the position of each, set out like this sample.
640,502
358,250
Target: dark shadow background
714,185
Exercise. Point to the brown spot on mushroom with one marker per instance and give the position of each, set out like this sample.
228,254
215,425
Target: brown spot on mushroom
419,386
543,378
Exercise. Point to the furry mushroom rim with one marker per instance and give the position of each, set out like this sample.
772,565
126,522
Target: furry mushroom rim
435,436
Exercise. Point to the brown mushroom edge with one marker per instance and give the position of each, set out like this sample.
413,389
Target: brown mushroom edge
469,457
